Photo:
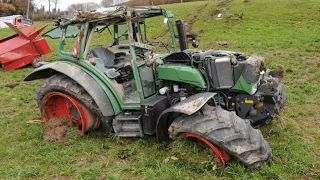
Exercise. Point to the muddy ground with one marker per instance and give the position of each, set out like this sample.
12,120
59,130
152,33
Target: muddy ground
57,130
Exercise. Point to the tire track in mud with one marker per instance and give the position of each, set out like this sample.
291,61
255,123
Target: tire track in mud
199,11
196,14
195,17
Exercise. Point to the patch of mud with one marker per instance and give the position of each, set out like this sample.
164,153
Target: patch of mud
215,12
222,43
194,18
279,119
12,85
57,130
234,17
201,31
224,2
309,77
317,152
278,73
314,47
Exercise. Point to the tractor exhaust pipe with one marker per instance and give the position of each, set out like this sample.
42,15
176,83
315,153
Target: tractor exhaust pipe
182,35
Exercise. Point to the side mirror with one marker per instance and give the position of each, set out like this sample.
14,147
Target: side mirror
195,44
192,37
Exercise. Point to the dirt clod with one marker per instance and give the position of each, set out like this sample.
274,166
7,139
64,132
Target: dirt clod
57,129
215,12
222,43
12,85
279,119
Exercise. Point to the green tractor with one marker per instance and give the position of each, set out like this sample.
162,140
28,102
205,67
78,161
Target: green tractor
129,88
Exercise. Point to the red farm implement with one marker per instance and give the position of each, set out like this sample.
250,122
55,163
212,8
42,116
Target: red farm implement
22,48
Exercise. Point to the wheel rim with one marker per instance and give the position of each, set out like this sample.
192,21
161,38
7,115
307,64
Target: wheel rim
222,156
56,104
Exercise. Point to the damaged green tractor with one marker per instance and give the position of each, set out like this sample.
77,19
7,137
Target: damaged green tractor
128,87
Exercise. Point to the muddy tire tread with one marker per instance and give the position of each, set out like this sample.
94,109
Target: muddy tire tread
227,131
64,84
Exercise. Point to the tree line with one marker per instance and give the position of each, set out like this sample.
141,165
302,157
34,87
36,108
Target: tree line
49,9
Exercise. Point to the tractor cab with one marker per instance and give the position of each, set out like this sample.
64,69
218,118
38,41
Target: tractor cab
119,48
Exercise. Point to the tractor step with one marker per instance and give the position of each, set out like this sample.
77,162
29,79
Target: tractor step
128,125
129,134
128,117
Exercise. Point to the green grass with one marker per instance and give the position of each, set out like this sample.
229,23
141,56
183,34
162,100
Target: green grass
284,32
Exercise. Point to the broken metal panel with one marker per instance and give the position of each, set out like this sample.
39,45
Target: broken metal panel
254,65
188,106
192,104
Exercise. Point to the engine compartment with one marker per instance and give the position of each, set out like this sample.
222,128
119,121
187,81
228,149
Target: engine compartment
221,69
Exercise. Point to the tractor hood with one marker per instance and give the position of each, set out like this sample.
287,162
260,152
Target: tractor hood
181,73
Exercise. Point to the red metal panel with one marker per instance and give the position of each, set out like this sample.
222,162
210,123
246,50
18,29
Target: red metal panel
7,38
28,29
13,65
42,46
19,50
37,33
19,57
18,53
12,44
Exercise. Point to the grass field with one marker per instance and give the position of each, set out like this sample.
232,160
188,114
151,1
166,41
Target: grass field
284,32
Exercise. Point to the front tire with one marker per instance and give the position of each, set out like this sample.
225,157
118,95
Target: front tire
227,131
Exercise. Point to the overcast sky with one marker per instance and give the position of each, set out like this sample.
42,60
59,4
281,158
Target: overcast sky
63,5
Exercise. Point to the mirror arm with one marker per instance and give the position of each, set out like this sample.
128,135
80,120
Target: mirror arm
145,31
191,36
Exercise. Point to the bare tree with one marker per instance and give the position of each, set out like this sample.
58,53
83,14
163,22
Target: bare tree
89,6
49,5
55,3
78,7
107,3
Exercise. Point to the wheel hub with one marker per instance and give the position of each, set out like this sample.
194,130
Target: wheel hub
56,104
222,156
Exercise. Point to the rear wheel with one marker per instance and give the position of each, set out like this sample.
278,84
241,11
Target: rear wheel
60,96
224,132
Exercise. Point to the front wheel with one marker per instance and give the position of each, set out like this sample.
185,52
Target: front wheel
224,132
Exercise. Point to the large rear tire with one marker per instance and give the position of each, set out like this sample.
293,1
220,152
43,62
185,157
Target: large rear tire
227,131
59,91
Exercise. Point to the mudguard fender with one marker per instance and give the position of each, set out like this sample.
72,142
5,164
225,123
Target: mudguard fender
188,106
94,89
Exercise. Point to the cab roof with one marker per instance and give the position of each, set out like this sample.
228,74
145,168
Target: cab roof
118,14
